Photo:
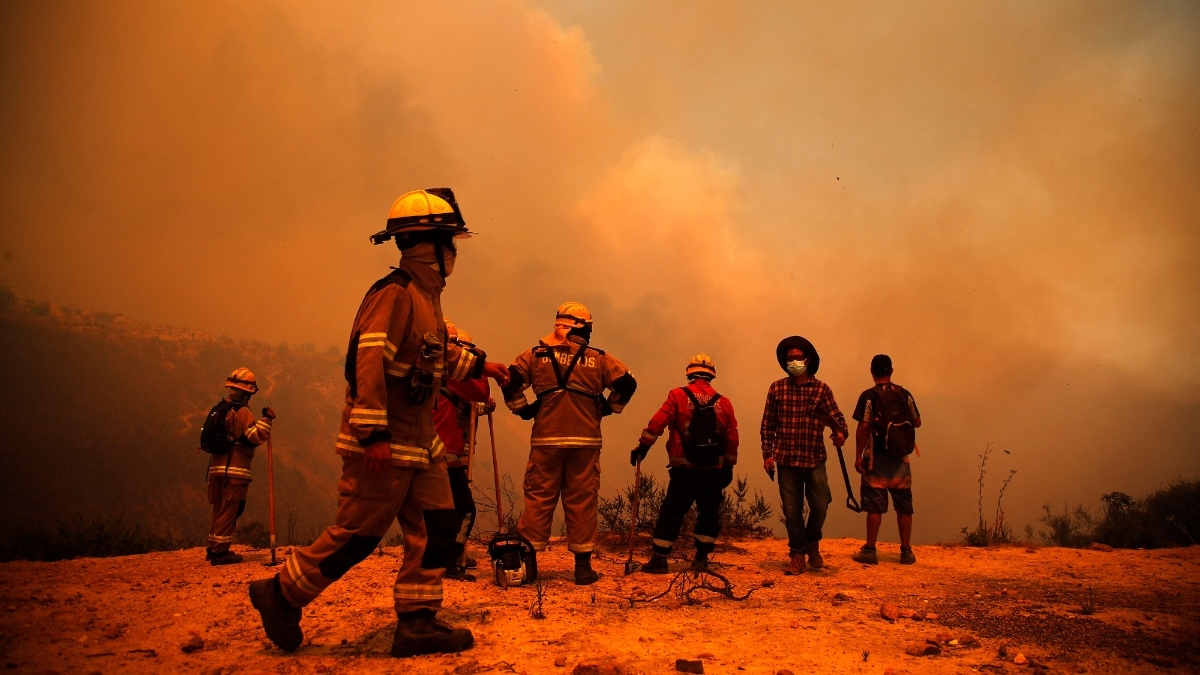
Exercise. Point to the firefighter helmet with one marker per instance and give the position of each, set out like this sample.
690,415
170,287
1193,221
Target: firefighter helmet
702,364
242,379
464,338
451,330
573,314
428,210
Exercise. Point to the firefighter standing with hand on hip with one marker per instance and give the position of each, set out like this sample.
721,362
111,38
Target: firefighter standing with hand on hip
568,377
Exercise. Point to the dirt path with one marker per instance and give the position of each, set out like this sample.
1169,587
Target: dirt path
134,614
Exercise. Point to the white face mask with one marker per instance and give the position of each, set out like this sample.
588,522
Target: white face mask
796,368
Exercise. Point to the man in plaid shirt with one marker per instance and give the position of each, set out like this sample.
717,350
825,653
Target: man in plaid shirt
798,409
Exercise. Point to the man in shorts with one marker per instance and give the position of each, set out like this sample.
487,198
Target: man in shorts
884,471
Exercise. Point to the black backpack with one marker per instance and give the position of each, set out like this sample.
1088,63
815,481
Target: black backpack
893,421
214,439
702,444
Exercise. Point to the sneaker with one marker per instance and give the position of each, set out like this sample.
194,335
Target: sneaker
458,574
866,555
421,632
815,560
795,564
224,558
280,619
656,565
700,562
906,555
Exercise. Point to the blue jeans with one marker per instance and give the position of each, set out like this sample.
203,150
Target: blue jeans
795,486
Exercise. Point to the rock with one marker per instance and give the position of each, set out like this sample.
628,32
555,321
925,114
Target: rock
889,611
1160,660
918,616
114,631
598,667
923,649
768,583
707,656
1097,546
943,638
843,597
906,614
838,603
468,668
794,624
784,672
1020,659
193,644
560,662
689,665
931,616
1002,652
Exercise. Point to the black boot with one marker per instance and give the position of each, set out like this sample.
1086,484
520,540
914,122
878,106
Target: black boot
279,618
584,574
421,632
531,568
700,562
470,563
224,558
657,564
455,573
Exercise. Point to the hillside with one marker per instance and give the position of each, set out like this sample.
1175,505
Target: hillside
100,418
135,613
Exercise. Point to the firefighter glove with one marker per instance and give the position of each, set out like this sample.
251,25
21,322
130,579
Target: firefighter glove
268,413
638,454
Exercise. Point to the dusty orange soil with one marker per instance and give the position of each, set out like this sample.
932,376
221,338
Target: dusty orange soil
134,614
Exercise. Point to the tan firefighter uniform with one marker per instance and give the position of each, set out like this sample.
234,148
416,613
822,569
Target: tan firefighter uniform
385,349
229,474
568,378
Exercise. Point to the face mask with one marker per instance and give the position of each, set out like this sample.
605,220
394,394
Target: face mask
796,368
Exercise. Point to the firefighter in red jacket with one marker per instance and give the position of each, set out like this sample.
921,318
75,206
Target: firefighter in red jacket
701,451
458,408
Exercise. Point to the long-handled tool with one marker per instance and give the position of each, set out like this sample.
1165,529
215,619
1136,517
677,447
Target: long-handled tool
630,565
513,559
828,419
271,496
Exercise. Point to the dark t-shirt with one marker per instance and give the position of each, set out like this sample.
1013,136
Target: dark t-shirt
868,401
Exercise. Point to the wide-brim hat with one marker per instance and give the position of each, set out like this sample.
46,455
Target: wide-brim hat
796,342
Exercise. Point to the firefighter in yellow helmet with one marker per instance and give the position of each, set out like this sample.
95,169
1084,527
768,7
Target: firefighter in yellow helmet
230,434
701,452
393,465
569,378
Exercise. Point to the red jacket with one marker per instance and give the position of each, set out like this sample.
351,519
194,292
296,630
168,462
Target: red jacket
676,412
446,415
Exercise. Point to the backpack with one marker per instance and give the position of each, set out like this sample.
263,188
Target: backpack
702,444
214,439
893,421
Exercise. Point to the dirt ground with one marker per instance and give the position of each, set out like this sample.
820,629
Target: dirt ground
135,614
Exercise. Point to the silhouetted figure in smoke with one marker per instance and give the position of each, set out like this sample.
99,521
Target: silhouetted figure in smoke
393,467
887,419
795,415
231,434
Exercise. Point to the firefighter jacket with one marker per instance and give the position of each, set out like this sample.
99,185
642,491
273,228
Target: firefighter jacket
391,378
569,381
452,416
247,434
676,413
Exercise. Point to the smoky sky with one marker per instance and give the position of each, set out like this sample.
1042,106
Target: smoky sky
1000,196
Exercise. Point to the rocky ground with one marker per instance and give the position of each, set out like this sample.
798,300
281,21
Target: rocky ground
1000,610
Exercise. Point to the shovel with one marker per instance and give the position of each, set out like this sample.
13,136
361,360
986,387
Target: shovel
632,566
271,497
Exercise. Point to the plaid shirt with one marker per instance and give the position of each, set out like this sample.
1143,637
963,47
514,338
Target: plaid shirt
791,429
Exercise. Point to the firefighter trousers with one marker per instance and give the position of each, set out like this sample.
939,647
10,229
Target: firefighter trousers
705,488
574,475
464,508
228,498
418,499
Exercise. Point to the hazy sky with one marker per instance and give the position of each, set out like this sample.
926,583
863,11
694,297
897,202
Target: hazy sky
1002,196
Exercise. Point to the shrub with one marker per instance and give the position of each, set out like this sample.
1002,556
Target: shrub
253,533
1168,516
998,531
1070,529
100,537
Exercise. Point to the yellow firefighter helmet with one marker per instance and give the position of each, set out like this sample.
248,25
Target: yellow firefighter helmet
428,210
702,364
242,379
464,338
573,314
451,330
